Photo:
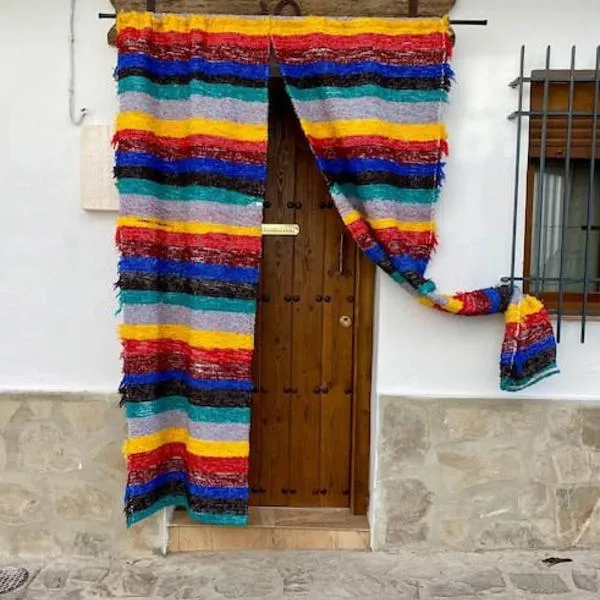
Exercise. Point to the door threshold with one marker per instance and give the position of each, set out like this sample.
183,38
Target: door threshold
274,528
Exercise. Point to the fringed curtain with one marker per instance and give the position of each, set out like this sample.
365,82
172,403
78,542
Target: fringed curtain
370,95
191,146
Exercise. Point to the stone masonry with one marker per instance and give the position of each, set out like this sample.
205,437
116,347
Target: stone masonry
464,475
487,474
62,476
511,575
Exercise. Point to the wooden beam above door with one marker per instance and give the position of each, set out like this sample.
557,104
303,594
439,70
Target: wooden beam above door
339,8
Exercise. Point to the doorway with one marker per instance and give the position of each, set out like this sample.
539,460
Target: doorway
309,441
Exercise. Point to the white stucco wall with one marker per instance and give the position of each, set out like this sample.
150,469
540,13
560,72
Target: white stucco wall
57,324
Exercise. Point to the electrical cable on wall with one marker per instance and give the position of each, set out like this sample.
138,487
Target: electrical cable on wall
76,120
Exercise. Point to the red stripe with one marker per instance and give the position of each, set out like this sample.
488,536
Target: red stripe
179,464
239,54
178,151
138,365
201,464
381,152
221,256
197,38
351,55
378,141
199,355
189,144
206,240
409,43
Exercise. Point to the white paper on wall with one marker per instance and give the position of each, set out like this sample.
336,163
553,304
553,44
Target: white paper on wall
98,191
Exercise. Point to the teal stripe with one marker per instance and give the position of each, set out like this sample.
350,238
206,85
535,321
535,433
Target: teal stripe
202,414
201,517
381,191
172,91
189,301
190,193
507,384
175,500
364,91
215,519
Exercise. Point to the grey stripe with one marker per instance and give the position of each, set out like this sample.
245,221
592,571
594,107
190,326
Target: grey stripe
369,107
210,320
228,109
381,209
234,432
206,212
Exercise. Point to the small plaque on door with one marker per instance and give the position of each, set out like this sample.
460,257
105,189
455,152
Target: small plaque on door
280,229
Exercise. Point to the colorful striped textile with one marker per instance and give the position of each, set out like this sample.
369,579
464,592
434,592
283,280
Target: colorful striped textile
190,165
191,141
370,95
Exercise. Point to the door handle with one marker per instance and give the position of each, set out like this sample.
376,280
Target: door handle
341,253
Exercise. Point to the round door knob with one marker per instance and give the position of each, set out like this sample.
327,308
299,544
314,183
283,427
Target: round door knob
345,321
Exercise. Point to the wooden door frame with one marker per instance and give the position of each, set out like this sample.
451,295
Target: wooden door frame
364,306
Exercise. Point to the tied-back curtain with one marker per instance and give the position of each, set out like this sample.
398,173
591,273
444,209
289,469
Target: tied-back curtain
370,95
191,147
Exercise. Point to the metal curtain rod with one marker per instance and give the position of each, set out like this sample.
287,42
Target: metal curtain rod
482,22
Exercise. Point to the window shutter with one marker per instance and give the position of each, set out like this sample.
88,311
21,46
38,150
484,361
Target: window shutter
557,126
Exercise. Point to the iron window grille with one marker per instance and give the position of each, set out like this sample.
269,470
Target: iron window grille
561,262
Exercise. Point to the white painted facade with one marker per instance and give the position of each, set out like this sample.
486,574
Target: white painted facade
57,303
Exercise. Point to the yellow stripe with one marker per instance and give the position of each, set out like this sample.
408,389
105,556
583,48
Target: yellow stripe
454,305
198,338
187,227
140,121
396,131
212,448
419,226
280,26
527,306
349,27
256,26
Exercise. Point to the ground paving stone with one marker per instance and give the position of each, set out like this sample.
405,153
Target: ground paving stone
318,576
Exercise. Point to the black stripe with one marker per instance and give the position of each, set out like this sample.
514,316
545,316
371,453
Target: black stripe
252,187
530,367
185,79
186,285
139,503
211,398
427,182
395,83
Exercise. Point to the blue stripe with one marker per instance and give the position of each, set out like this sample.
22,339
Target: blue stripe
199,414
185,269
407,264
368,66
189,67
211,493
204,384
358,165
192,165
495,299
519,358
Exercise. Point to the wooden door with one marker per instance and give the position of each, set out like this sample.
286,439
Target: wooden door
302,424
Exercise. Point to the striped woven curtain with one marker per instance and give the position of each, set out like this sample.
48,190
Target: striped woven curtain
191,145
370,95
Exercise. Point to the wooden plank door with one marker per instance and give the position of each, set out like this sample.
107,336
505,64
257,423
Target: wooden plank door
301,436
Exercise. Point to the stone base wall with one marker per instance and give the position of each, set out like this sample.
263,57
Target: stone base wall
487,475
62,476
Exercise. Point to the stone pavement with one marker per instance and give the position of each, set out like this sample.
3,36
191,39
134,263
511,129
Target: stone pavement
318,576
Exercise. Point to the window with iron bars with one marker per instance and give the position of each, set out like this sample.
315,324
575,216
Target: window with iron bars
562,211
